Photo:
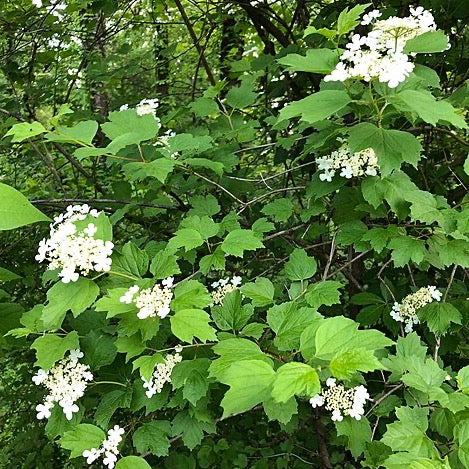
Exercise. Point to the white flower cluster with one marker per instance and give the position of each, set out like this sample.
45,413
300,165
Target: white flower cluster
108,448
407,310
222,287
380,54
151,302
340,401
75,252
145,106
349,164
66,383
162,373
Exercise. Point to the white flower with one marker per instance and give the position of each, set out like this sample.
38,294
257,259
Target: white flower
162,374
124,107
66,383
108,448
317,401
91,455
147,106
72,251
37,3
370,17
330,382
337,416
224,286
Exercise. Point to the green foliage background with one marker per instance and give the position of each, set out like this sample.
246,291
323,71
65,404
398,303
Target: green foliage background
235,192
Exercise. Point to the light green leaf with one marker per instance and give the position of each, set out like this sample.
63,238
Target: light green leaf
261,291
323,293
7,275
238,241
463,380
349,19
159,169
232,315
50,348
280,209
132,462
242,96
191,428
315,61
300,266
16,210
83,437
81,133
427,43
99,349
358,433
190,294
189,323
25,130
317,106
187,238
249,382
295,379
281,411
146,364
405,249
439,316
345,364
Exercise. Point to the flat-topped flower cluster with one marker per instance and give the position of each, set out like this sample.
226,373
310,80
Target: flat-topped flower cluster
75,252
162,373
380,54
151,302
341,402
224,286
66,383
406,311
145,106
362,163
108,448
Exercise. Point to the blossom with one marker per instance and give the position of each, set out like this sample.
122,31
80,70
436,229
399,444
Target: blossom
147,106
406,311
37,3
362,163
341,402
380,54
66,383
151,302
162,373
72,250
108,448
224,286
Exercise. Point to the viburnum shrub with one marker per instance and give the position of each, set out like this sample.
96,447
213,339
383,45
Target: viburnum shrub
215,305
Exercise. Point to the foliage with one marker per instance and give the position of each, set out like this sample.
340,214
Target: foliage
263,278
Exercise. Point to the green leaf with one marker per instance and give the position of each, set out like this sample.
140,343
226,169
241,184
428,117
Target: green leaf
81,133
158,169
192,376
427,43
358,433
281,411
261,291
323,293
280,209
463,379
405,249
15,209
50,348
188,238
127,128
131,346
288,322
189,323
300,266
425,106
392,147
215,261
192,430
379,237
439,316
344,365
242,96
153,437
109,403
238,241
232,315
25,130
83,437
146,364
74,296
315,61
190,294
204,107
295,379
164,264
99,349
349,19
132,462
317,106
339,334
249,382
112,305
7,275
133,261
423,375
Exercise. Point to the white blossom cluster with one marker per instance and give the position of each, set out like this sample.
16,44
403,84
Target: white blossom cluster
349,164
162,373
66,383
406,311
151,302
145,106
380,53
108,448
340,401
75,252
222,287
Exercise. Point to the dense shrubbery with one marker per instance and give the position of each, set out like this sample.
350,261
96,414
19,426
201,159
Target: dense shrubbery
258,234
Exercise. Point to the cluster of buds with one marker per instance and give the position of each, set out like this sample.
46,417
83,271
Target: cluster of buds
222,287
108,448
75,251
406,311
151,302
162,373
340,401
66,383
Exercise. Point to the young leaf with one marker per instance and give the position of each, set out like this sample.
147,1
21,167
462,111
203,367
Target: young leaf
238,241
261,291
132,462
50,348
189,323
295,379
83,437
